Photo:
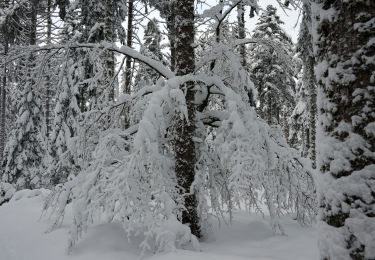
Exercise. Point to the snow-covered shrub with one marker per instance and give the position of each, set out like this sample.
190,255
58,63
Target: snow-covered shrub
6,192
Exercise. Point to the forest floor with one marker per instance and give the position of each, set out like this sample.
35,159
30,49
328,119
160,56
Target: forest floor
23,237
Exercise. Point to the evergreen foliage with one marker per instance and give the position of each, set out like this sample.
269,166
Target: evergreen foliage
273,78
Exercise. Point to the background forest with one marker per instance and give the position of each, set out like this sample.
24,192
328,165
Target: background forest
170,116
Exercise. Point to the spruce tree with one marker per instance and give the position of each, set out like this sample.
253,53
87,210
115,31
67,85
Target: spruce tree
344,34
151,48
305,53
272,76
25,148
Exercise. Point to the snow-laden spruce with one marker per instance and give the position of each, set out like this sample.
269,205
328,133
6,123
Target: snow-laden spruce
344,47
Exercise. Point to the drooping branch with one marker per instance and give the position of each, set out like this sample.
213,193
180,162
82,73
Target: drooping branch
124,50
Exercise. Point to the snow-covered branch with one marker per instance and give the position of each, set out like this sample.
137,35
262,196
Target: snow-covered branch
124,50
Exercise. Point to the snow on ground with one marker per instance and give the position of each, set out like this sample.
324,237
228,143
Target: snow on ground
23,237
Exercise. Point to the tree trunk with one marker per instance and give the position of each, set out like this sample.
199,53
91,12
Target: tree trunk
310,77
48,84
241,32
129,43
3,134
109,37
33,22
3,86
345,72
184,144
172,32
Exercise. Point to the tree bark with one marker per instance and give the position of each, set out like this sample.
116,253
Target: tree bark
3,85
172,32
241,32
345,71
3,134
48,84
129,43
109,37
310,77
184,144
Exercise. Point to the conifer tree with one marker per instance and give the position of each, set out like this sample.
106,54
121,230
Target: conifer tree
272,76
307,130
25,149
344,34
151,48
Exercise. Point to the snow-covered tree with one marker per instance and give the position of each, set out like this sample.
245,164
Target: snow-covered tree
25,147
273,77
151,48
12,23
344,48
65,127
305,112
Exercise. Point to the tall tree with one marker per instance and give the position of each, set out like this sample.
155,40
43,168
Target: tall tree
185,130
151,48
129,43
24,150
241,31
272,75
345,47
305,50
48,99
5,37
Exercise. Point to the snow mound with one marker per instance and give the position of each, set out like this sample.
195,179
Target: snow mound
6,192
22,194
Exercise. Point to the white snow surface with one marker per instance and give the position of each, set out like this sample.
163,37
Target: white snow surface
23,237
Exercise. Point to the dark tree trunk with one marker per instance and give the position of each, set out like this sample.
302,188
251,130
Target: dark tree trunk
48,83
184,144
129,43
3,97
109,37
310,79
347,116
241,32
5,31
33,22
172,33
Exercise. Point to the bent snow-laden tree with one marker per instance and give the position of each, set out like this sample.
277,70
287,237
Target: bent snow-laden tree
197,149
345,49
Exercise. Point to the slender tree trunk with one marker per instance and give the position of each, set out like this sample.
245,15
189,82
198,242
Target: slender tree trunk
3,86
109,37
33,22
346,79
184,144
241,32
310,79
129,43
48,85
172,32
3,105
217,33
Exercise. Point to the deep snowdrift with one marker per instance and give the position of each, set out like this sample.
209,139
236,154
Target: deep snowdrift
23,237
